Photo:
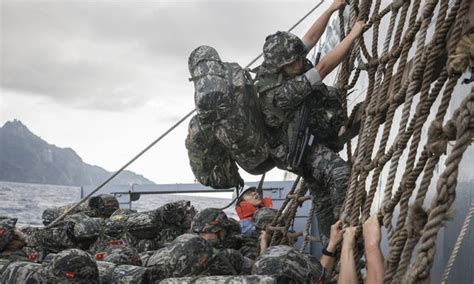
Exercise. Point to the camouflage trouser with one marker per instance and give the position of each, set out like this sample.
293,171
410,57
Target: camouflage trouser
327,176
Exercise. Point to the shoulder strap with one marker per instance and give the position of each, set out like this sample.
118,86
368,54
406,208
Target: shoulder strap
267,101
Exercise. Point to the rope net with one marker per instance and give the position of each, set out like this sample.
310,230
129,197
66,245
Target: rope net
398,164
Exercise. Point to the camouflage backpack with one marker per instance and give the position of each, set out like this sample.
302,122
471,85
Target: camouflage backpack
210,162
144,225
187,255
86,229
226,99
288,265
20,272
72,265
122,254
7,227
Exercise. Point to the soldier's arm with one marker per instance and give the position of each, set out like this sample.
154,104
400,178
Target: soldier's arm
348,272
374,256
335,237
263,239
317,29
337,54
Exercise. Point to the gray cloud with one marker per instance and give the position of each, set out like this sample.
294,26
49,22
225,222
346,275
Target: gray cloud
118,55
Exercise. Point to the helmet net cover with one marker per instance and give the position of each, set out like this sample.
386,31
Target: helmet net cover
282,48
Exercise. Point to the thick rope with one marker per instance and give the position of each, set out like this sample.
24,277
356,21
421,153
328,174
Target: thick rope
457,246
446,190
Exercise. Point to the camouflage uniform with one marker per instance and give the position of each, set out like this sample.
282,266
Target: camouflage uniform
130,274
106,270
227,260
20,272
282,101
288,265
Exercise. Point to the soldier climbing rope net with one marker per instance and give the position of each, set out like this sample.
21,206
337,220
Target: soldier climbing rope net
388,90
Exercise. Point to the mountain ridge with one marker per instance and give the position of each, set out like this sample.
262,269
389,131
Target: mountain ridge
27,158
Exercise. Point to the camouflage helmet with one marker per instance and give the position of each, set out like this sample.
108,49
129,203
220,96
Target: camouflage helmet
7,230
263,217
288,265
189,254
72,265
282,48
201,53
209,220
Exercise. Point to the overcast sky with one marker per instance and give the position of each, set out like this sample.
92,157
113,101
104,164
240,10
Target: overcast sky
106,78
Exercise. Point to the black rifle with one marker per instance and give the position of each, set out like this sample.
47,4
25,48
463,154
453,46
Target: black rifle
301,138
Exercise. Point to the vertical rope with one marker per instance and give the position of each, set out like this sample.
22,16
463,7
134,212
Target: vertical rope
458,243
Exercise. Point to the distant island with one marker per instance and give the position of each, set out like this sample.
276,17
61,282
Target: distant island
25,157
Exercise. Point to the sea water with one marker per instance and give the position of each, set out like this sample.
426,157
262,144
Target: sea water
28,201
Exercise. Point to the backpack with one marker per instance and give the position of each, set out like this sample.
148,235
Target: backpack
329,117
226,99
86,229
211,164
144,225
72,265
324,113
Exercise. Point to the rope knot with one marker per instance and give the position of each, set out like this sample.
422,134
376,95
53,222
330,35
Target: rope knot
438,137
463,55
417,218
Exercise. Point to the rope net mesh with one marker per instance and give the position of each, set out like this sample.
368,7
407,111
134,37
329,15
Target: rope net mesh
411,74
